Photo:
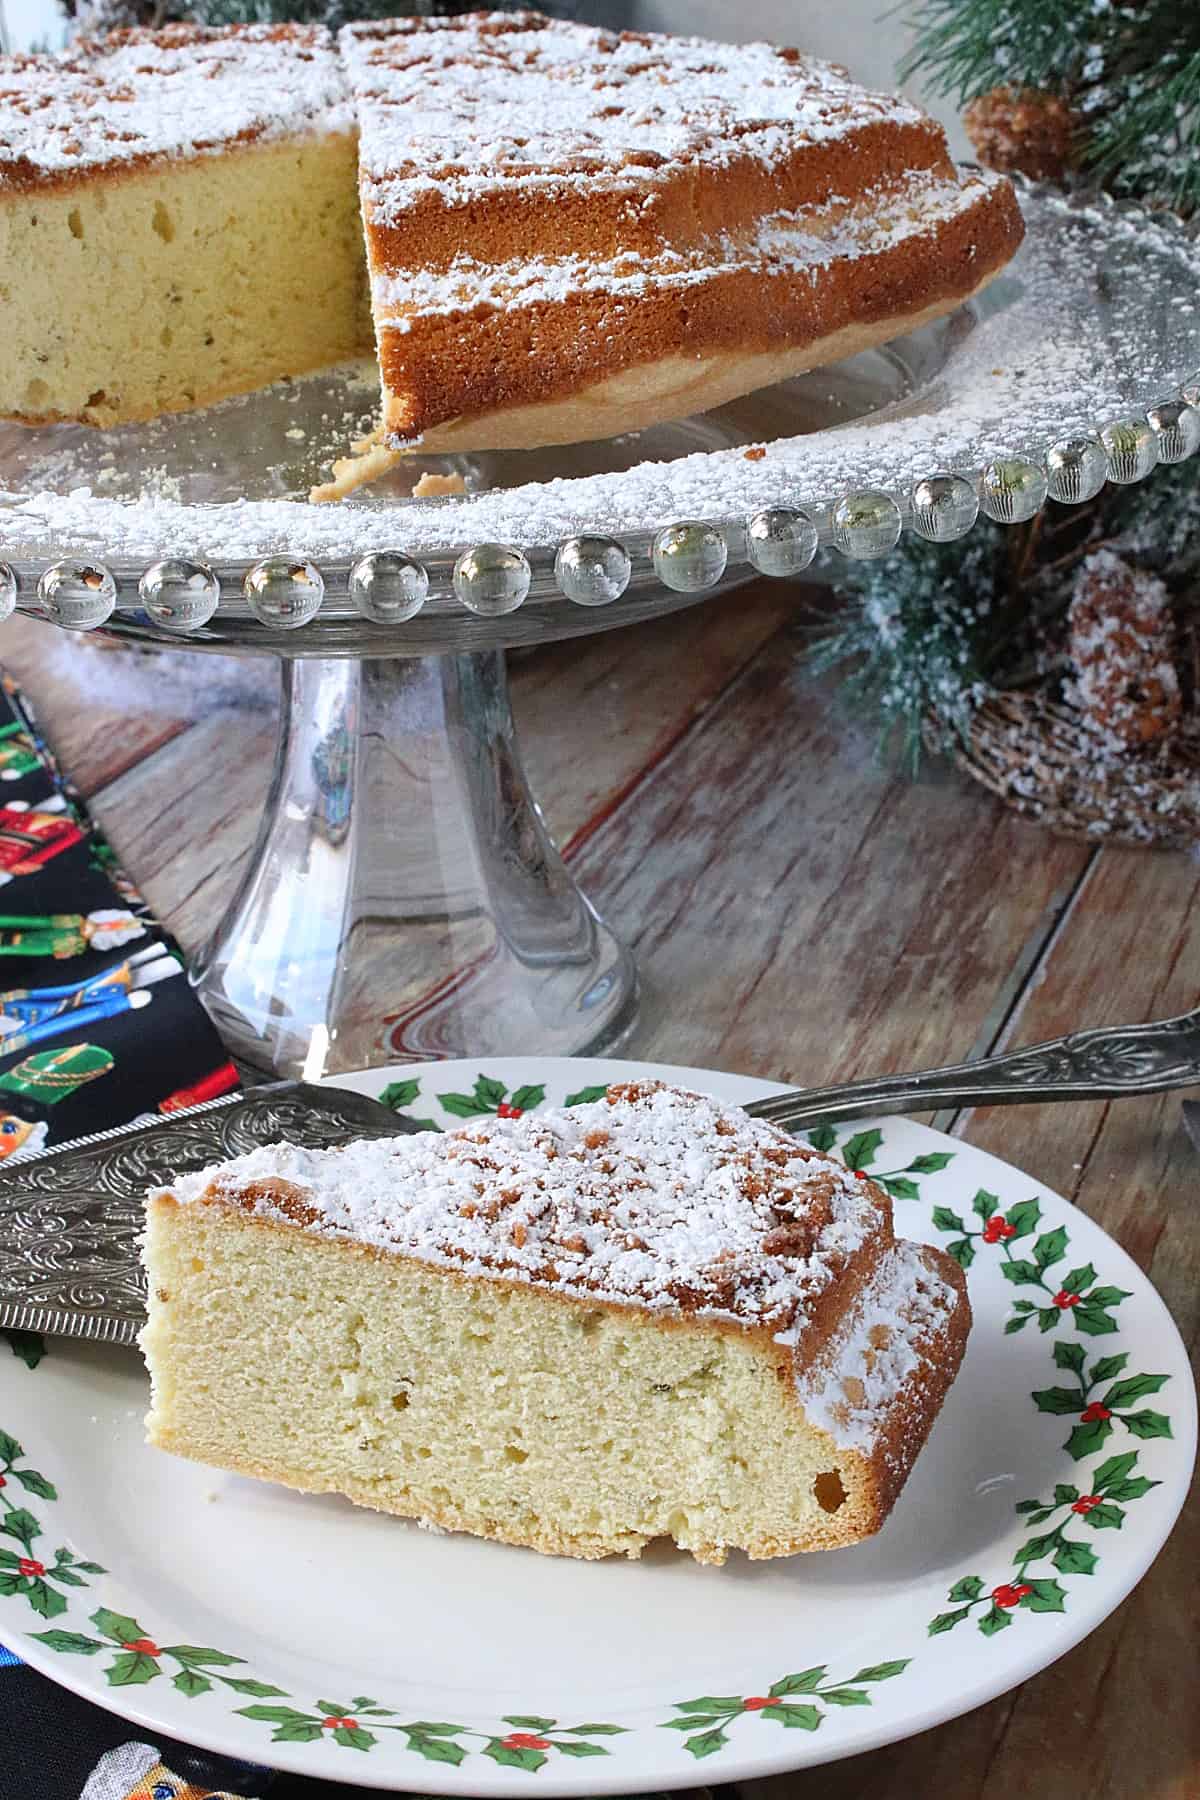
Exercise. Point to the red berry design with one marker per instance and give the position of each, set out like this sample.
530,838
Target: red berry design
28,1566
3,1482
505,1111
336,1724
1094,1411
997,1229
1011,1595
756,1702
144,1646
1085,1503
1063,1300
524,1740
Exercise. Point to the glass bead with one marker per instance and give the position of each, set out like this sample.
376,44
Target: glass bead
284,592
944,507
781,541
180,596
689,557
1012,489
8,592
592,571
1076,469
1191,389
78,595
867,524
492,579
1176,425
1131,448
388,588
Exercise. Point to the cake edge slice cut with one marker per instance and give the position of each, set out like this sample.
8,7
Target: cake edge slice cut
190,234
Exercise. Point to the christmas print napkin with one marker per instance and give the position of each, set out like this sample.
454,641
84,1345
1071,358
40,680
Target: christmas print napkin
98,1027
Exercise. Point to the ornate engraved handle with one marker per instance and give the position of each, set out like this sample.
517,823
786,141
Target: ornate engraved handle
1104,1064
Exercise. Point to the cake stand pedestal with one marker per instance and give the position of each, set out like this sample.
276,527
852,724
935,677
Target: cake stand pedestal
404,899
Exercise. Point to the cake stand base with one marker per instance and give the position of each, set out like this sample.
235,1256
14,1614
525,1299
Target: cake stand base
404,899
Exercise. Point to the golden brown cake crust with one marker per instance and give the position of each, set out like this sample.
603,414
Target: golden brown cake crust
680,209
546,206
462,364
650,1237
652,1197
111,106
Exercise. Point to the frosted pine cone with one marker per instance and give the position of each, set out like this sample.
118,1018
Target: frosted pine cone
1023,131
1121,639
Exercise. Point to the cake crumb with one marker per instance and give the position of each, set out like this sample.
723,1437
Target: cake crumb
436,487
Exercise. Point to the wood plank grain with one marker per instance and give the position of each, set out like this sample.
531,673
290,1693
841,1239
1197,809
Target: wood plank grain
1125,1699
799,912
598,714
96,738
1116,1717
182,820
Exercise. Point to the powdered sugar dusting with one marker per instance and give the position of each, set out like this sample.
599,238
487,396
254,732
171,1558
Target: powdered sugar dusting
782,244
653,1197
464,107
175,92
892,1328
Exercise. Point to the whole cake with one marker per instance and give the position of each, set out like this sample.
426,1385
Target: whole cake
570,232
650,1316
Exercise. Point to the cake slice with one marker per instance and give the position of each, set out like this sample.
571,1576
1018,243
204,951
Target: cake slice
648,1316
178,221
573,232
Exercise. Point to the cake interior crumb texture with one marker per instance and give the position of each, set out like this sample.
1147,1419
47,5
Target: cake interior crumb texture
169,288
178,221
467,1379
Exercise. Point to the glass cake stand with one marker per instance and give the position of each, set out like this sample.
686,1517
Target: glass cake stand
404,900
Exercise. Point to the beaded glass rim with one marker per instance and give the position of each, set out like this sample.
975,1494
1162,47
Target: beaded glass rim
1080,365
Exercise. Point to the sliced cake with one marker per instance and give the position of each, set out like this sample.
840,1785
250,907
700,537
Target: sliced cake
571,232
648,1316
177,221
574,232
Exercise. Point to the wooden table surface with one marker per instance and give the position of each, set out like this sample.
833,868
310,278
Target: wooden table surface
799,913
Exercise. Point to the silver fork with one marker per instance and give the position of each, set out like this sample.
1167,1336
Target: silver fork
1105,1064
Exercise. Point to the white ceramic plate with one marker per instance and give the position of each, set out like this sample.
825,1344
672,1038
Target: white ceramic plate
314,1636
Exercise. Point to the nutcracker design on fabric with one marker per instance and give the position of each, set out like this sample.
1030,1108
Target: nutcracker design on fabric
18,752
137,1772
63,935
221,1080
29,1016
28,1091
30,836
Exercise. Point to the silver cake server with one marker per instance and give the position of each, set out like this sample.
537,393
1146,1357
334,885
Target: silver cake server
70,1220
